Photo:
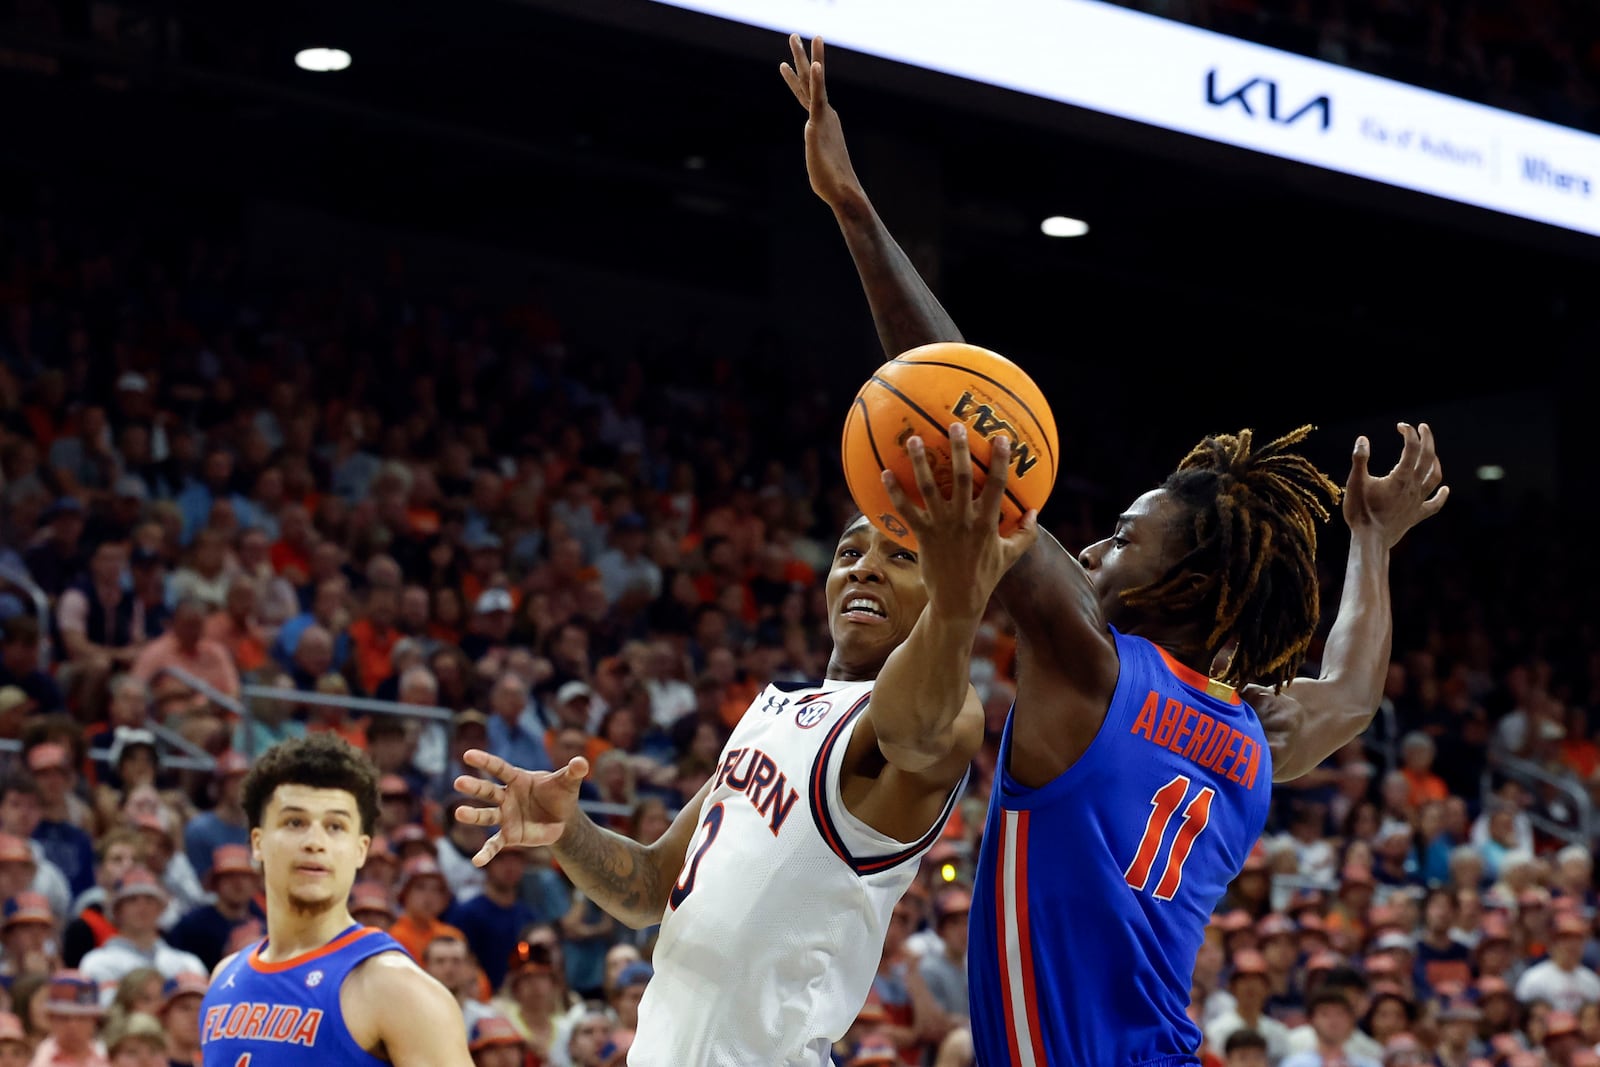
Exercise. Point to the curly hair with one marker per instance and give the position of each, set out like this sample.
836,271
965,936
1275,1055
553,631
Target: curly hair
1252,543
319,761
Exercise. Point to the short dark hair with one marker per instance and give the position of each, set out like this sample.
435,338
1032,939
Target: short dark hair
21,630
1241,1039
320,761
1327,994
18,783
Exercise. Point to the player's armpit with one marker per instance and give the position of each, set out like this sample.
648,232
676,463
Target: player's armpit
412,1017
1306,722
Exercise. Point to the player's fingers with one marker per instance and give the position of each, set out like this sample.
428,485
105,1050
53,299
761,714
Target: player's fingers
475,816
480,788
994,484
1019,541
576,770
1411,450
797,50
1432,469
922,472
960,467
1432,505
490,849
818,91
489,763
1358,458
908,509
796,85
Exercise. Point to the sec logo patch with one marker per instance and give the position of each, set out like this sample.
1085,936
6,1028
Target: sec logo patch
810,714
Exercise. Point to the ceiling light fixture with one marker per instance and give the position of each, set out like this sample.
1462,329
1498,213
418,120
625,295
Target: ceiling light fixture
322,60
1061,226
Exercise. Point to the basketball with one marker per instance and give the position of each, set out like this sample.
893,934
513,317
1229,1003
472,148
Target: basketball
923,391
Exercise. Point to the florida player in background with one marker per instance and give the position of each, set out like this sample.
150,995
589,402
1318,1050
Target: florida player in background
1156,699
774,887
321,988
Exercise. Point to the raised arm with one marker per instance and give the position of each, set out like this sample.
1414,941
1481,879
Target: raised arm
1310,719
904,309
630,881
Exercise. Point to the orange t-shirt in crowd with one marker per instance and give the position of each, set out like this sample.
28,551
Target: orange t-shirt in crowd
247,647
1425,786
372,649
285,556
591,749
737,702
415,937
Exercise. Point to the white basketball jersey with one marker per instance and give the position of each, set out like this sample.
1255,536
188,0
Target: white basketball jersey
775,927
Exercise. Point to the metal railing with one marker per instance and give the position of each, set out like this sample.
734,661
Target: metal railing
1531,776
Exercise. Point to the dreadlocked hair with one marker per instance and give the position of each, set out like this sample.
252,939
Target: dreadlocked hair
1252,562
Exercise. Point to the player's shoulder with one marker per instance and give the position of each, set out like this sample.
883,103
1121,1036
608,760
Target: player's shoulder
227,961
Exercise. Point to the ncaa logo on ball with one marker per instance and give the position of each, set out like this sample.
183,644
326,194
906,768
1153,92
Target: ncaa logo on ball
811,714
893,524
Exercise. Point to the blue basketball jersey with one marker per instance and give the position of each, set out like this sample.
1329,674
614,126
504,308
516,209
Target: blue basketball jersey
1093,891
287,1014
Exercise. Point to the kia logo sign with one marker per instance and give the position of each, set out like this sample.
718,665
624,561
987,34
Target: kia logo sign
1261,98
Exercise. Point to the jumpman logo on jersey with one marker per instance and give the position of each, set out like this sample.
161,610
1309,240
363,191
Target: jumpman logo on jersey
229,983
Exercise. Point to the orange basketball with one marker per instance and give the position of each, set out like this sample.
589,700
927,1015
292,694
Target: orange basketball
923,391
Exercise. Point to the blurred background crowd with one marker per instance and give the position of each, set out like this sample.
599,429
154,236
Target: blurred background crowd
242,501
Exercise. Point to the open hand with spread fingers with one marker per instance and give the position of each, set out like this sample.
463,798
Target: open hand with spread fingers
962,553
531,808
1413,489
833,178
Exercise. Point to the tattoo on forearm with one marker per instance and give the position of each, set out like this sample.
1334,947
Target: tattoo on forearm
616,873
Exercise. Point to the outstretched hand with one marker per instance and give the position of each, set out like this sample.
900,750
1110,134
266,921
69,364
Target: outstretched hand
833,178
962,553
531,808
1412,491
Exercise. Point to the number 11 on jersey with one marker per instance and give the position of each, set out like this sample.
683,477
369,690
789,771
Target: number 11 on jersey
1195,817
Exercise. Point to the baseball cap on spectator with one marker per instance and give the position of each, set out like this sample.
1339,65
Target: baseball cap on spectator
370,896
11,1031
1459,1009
638,973
572,691
393,787
229,859
1354,874
1323,961
183,984
1233,921
132,382
14,849
952,901
124,737
1274,924
492,1030
415,868
11,697
1491,985
1394,941
1248,961
492,600
229,764
1559,1024
873,1051
71,992
469,717
25,908
1568,925
1380,966
131,487
411,834
49,756
136,1027
138,882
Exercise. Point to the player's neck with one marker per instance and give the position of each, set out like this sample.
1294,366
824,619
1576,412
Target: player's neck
290,935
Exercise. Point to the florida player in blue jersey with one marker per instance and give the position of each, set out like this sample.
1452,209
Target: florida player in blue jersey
1157,698
321,988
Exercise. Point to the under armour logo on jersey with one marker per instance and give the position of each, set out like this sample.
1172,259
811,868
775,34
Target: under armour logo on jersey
775,705
812,713
313,979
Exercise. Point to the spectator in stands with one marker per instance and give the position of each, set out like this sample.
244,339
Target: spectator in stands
27,934
235,888
137,901
59,555
275,600
20,814
454,851
66,844
449,960
587,1037
1246,1048
1333,1024
207,574
491,624
15,1048
374,635
185,647
73,1008
329,610
225,823
179,1012
237,625
495,1042
494,917
1561,980
138,1040
370,904
139,991
20,642
423,896
1249,982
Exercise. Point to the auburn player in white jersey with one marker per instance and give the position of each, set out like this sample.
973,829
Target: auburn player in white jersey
774,886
